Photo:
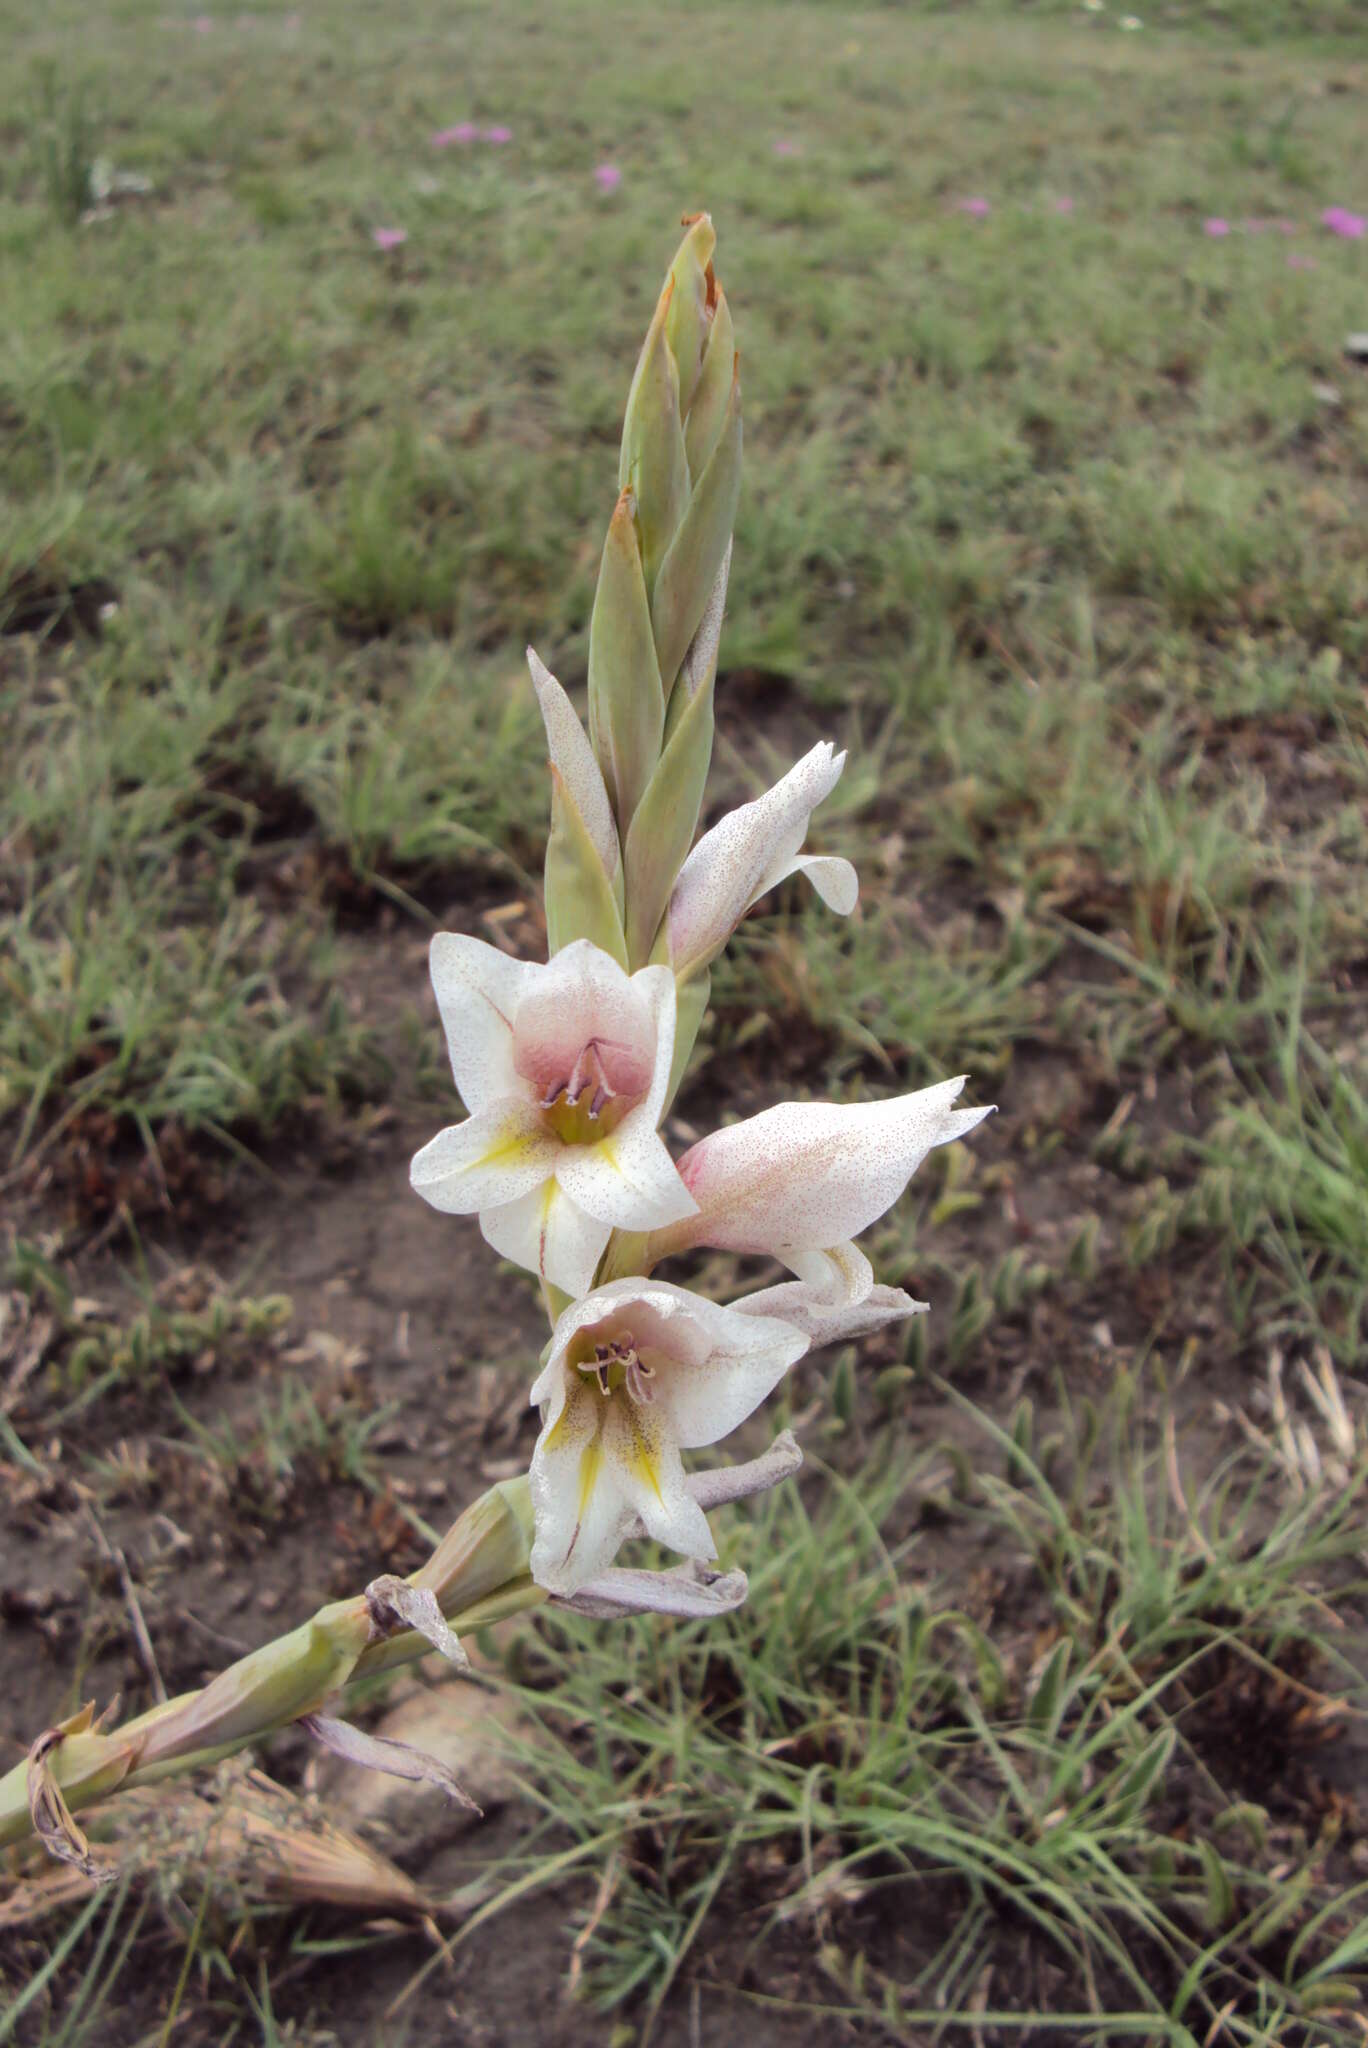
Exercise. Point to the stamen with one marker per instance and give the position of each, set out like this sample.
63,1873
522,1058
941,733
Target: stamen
618,1363
587,1072
638,1373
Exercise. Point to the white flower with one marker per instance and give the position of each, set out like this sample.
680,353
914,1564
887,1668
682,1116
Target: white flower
801,1179
747,853
638,1371
564,1069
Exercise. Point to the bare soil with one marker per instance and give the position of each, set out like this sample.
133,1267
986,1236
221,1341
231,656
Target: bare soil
395,1308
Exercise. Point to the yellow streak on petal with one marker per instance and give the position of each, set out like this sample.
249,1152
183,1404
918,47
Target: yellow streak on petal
641,1458
548,1196
559,1431
591,1461
505,1151
604,1151
570,1423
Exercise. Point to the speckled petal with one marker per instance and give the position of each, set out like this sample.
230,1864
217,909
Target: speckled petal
478,989
834,879
580,1512
583,996
656,985
494,1157
548,1234
806,1175
745,854
647,1469
628,1179
706,1402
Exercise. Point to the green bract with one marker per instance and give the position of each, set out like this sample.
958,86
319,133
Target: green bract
658,606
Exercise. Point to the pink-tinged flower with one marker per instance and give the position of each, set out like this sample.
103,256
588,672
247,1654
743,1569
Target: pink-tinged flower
389,238
607,177
638,1372
563,1069
785,146
800,1180
459,132
1340,221
498,134
1216,227
1297,262
749,852
976,206
1064,205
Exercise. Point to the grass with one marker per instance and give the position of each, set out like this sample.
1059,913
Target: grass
1078,1780
1088,1760
1053,517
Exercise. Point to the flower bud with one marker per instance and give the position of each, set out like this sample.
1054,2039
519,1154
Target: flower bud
662,582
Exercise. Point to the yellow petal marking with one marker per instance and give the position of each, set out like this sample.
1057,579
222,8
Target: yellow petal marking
640,1457
543,1228
569,1423
505,1151
591,1461
559,1430
604,1151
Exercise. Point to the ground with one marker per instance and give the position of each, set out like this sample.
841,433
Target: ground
1044,1720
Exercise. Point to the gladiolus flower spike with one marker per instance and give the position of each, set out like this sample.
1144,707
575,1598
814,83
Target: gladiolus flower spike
567,1068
